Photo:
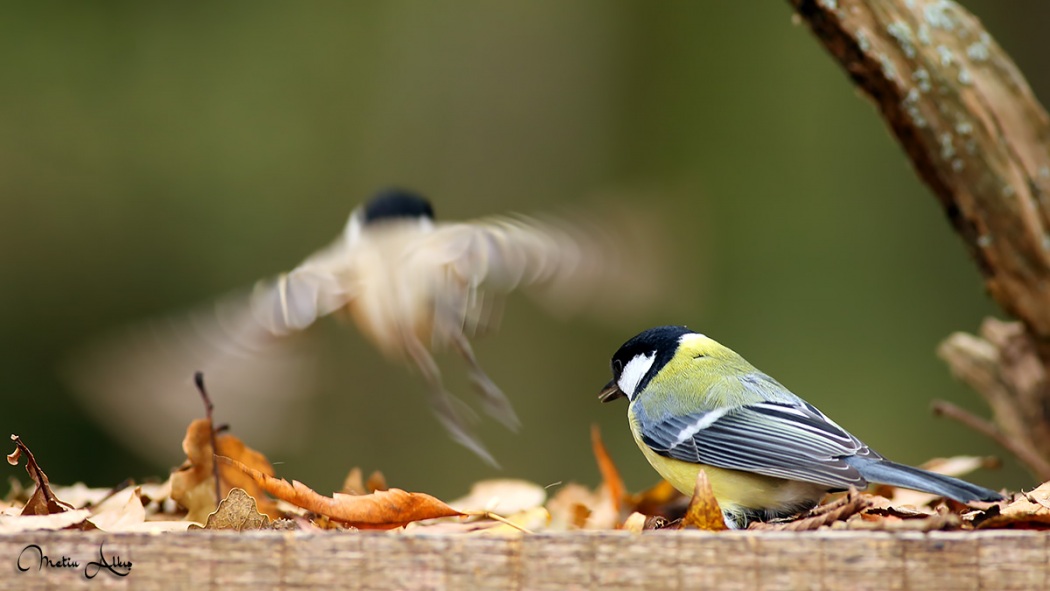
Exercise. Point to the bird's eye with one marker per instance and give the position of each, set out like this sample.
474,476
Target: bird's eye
617,367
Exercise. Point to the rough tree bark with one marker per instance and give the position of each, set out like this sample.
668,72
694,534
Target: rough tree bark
979,138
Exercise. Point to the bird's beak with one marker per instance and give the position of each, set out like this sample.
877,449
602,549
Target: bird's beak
610,392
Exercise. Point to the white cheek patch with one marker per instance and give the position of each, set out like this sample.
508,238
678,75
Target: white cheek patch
633,373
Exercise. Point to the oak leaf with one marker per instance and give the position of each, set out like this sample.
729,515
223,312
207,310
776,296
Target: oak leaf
238,511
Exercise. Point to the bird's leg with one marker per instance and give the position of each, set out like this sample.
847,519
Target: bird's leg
493,399
443,403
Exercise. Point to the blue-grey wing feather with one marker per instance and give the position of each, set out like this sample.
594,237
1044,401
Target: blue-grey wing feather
788,439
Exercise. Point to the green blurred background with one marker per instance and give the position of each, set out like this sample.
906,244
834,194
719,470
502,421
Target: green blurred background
154,156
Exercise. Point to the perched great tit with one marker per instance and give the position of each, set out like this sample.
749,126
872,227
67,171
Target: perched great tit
695,403
410,284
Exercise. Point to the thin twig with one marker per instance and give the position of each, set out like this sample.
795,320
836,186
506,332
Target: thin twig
1025,454
198,378
498,518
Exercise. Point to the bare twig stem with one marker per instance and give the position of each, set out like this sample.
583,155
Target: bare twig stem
1035,463
198,378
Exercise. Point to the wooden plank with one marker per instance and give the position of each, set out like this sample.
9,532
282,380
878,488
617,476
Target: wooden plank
606,561
1009,560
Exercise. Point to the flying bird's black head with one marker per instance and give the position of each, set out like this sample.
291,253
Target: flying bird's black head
390,204
639,359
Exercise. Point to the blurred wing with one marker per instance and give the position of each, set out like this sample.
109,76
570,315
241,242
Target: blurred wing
295,300
471,265
139,382
784,440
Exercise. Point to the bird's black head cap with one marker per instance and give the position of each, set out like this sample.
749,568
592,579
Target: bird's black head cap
660,342
394,203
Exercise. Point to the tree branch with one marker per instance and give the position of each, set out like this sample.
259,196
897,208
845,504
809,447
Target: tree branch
968,120
979,138
1036,464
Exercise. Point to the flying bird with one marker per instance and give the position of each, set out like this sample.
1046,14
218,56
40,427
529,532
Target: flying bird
410,285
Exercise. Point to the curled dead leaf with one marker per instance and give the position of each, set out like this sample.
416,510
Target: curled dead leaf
611,478
897,519
43,501
1024,511
959,466
704,512
193,484
820,516
660,499
119,512
379,510
507,496
355,484
12,524
634,523
575,506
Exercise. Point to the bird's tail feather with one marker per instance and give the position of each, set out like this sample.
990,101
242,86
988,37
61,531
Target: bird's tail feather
887,472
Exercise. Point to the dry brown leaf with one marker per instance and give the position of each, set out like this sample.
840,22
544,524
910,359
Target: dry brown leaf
354,483
897,519
639,522
634,523
879,505
704,512
10,524
193,484
156,492
123,511
119,511
376,482
43,501
238,512
611,478
506,496
1025,511
959,466
379,510
526,521
661,499
571,506
577,507
80,495
822,515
